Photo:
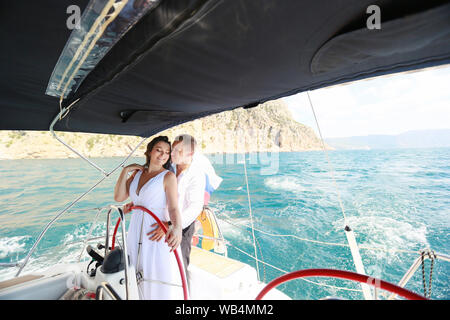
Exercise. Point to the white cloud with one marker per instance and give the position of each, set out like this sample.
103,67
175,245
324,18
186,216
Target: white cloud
383,105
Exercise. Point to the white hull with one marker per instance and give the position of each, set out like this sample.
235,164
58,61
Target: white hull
212,277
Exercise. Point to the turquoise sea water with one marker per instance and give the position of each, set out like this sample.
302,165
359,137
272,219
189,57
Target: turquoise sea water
396,201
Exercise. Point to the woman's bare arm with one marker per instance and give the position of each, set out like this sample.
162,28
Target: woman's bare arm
122,187
173,235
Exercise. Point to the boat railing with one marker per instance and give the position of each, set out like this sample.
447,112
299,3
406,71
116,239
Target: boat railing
221,243
107,236
425,254
106,287
64,111
110,208
21,264
107,241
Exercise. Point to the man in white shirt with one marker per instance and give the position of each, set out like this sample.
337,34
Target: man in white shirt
191,192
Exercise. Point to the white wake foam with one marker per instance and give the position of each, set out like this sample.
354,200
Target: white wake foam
285,183
12,245
386,233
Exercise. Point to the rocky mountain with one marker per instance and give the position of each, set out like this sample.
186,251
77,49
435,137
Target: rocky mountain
267,127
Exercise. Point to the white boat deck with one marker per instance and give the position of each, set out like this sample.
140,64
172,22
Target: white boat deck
215,277
211,277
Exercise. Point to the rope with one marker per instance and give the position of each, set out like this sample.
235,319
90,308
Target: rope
162,282
321,242
312,241
351,239
251,215
432,256
328,160
284,271
262,259
66,110
259,247
139,273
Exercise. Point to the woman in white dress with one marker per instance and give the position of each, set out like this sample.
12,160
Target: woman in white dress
153,186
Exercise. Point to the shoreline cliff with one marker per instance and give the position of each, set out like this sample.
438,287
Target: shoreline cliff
268,127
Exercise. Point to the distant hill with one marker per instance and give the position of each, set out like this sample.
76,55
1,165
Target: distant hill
267,127
439,138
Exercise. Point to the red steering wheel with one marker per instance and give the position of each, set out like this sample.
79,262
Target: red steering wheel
163,227
343,275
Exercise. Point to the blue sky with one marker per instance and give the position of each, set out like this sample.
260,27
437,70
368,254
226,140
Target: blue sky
389,104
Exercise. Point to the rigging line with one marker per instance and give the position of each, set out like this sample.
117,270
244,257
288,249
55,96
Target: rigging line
51,129
251,215
63,113
49,224
288,235
89,233
139,257
262,258
322,242
257,242
284,271
328,160
260,251
351,239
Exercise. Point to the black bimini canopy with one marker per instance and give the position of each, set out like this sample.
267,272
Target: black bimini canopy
179,60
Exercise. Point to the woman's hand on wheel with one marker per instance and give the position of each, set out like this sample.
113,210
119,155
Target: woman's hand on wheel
127,207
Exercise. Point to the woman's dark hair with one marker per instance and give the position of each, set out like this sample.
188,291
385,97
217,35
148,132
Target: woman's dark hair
150,146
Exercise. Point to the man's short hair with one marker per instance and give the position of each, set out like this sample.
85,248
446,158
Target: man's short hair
187,140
